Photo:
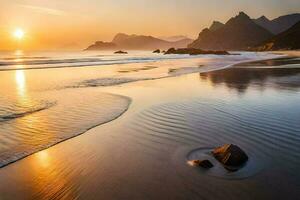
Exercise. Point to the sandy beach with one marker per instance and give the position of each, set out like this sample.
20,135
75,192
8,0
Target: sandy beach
143,153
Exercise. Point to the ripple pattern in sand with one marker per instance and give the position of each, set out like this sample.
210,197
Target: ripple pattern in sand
272,135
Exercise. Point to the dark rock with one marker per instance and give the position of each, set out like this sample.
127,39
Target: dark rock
171,51
230,155
203,163
156,51
172,70
193,51
121,52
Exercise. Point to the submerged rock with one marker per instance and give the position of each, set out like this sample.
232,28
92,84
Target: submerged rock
192,51
121,52
232,156
203,163
156,51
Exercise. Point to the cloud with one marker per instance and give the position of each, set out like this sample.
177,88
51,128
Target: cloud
44,10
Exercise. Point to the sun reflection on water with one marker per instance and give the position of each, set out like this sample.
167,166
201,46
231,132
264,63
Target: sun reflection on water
20,83
43,159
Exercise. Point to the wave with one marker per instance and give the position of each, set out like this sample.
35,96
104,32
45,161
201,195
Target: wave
40,62
35,131
25,58
51,61
172,72
26,111
15,64
103,82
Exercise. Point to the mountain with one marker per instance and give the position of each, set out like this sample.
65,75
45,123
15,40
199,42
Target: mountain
142,42
264,22
287,40
279,24
215,26
102,45
239,33
175,38
138,42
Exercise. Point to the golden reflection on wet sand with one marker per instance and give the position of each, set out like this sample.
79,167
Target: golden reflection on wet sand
20,83
43,159
44,170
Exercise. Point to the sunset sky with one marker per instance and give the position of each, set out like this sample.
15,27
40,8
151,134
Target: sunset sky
50,24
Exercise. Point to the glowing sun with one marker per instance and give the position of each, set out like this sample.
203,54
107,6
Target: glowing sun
19,34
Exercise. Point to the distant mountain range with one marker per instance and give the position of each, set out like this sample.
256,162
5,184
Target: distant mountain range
243,33
175,38
287,40
279,24
138,42
238,33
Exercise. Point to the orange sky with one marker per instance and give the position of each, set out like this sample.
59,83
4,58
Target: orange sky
53,24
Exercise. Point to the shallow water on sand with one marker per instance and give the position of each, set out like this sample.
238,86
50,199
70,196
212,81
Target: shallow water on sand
49,98
145,153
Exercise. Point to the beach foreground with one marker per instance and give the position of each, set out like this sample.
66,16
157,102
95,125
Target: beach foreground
144,153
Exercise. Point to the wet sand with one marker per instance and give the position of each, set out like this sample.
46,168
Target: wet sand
144,153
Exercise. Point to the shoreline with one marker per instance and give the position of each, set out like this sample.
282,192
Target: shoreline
122,63
130,101
76,135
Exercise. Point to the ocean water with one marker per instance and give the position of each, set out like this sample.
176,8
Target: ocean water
254,105
173,118
48,97
42,60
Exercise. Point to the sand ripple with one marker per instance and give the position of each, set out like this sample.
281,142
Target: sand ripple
266,135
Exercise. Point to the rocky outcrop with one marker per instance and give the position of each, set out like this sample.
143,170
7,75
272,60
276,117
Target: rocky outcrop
121,52
156,51
193,51
231,156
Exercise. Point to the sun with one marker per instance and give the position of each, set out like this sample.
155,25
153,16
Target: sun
19,34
